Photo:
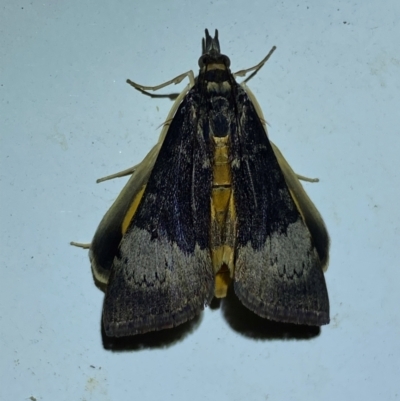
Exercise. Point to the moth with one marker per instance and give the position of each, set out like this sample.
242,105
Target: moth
213,204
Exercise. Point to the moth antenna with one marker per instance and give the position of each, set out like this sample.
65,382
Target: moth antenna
211,45
212,51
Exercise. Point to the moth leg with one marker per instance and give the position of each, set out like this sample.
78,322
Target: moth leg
122,173
80,245
175,81
256,68
176,104
307,179
165,125
148,160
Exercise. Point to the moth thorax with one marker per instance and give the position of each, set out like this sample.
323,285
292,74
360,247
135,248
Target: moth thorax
217,79
220,88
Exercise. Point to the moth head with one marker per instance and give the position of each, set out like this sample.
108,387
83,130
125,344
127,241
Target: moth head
212,52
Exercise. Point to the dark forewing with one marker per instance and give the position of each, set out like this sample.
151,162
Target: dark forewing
278,273
162,274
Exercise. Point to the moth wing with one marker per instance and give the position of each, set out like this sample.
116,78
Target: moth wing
306,207
111,228
278,271
109,232
162,273
310,213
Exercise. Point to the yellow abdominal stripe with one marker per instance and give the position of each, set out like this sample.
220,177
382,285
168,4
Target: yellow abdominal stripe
222,218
